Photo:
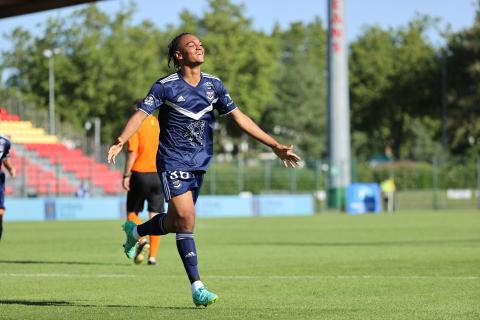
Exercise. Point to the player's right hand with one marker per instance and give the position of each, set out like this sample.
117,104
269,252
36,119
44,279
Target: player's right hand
114,151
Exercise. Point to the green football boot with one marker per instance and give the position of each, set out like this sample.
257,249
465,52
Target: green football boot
131,243
203,297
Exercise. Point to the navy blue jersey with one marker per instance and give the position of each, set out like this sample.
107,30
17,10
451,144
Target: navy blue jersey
4,149
186,119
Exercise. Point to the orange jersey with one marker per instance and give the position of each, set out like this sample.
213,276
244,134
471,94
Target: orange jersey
145,143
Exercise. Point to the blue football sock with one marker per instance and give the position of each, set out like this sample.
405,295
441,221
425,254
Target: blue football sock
188,253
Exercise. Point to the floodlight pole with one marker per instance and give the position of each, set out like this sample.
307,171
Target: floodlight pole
338,107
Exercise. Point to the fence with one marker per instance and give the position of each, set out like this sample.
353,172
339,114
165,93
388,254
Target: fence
419,185
451,183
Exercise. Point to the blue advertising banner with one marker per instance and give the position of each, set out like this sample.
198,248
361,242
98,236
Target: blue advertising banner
363,198
113,208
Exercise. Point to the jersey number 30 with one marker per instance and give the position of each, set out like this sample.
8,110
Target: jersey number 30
179,174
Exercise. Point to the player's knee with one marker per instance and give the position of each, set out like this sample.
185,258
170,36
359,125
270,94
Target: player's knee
185,221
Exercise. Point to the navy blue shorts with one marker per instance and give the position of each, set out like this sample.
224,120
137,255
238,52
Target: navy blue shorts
178,182
2,190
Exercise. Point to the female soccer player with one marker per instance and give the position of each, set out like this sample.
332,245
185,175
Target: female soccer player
186,101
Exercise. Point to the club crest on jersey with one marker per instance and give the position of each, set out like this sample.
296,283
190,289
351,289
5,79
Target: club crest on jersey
149,101
176,184
210,94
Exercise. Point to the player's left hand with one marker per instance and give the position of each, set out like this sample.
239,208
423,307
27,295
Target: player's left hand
13,172
286,154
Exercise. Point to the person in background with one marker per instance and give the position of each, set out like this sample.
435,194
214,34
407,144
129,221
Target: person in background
83,190
141,181
388,192
5,161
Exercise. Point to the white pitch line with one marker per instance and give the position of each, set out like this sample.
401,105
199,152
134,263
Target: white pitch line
250,277
319,277
65,275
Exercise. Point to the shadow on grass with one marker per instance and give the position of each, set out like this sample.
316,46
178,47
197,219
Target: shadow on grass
60,303
360,243
39,303
62,262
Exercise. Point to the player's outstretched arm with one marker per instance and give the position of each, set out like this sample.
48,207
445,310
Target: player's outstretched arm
130,128
285,153
11,169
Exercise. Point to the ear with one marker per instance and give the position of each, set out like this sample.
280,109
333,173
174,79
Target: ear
178,55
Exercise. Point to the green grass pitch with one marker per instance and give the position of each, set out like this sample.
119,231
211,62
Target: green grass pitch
422,265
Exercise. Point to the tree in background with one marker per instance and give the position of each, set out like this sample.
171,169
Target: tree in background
394,88
463,81
278,78
298,113
104,64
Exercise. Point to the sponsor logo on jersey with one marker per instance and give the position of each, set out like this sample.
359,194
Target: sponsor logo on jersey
210,94
149,101
180,99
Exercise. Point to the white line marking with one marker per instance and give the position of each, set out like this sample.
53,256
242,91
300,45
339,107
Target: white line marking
247,277
354,277
66,275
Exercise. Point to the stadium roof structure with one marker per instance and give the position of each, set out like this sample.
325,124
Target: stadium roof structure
11,8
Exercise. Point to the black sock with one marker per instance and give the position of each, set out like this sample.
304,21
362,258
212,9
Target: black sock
188,253
153,226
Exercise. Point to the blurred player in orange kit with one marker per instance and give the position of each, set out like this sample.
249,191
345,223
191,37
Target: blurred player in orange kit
141,181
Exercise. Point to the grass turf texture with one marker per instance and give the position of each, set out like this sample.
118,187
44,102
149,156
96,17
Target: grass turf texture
423,265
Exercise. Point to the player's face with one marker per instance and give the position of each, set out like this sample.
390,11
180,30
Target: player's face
190,51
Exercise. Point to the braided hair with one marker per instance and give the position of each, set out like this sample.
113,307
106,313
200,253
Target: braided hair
172,48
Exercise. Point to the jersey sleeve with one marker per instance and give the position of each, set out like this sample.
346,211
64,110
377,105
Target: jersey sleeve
224,104
153,100
133,143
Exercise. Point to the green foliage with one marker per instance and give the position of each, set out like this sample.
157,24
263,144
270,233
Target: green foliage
463,69
278,79
260,177
392,82
415,175
298,114
99,71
